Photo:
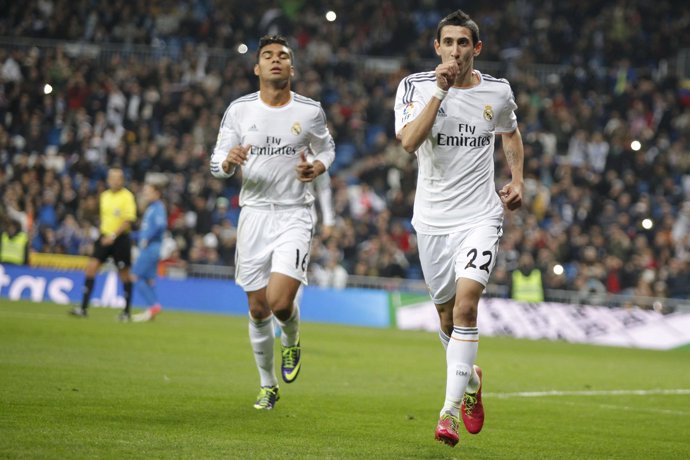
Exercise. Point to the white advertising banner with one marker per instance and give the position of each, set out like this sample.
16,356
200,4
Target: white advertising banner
622,327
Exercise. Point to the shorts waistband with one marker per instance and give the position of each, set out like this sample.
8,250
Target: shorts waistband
271,207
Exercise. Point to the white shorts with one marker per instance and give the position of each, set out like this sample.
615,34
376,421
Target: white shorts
465,254
272,239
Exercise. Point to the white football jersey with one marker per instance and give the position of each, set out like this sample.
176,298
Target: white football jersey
277,135
455,182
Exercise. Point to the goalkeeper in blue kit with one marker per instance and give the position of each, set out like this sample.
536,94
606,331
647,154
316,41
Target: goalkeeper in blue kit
145,269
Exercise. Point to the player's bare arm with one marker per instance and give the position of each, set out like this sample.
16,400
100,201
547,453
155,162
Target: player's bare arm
237,156
306,171
413,134
511,193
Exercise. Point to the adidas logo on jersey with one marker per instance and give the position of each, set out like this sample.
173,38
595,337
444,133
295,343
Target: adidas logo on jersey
253,128
441,112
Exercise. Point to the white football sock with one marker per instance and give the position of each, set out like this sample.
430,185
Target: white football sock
460,356
473,383
261,337
290,328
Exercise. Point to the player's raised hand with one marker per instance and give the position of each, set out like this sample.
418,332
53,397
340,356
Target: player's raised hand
511,195
445,74
237,156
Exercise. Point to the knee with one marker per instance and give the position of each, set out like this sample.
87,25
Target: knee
92,269
141,282
259,310
446,321
465,313
281,308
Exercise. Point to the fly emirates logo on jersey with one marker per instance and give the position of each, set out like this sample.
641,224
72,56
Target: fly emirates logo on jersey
274,146
465,136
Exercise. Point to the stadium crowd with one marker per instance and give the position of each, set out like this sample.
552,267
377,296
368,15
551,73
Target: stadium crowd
606,134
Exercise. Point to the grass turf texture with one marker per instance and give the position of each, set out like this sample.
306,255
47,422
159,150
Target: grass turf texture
183,387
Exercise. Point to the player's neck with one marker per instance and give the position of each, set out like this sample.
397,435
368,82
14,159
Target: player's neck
275,96
467,80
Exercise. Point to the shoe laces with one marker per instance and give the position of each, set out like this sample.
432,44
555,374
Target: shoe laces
265,396
470,401
454,421
289,356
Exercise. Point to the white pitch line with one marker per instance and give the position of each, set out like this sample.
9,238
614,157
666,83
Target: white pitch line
615,407
539,394
643,409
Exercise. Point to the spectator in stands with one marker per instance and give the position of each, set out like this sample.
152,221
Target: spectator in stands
331,275
678,279
525,282
70,236
14,244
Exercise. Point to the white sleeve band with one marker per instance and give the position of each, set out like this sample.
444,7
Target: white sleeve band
440,94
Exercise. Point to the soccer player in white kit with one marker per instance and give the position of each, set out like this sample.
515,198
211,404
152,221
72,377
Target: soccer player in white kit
268,135
449,119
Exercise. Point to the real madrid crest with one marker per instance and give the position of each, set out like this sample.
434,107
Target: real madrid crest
296,128
488,113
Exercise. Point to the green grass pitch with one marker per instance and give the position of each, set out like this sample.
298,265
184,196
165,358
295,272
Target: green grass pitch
183,387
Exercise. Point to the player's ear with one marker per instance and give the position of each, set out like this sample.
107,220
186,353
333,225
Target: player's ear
292,71
477,48
437,47
256,69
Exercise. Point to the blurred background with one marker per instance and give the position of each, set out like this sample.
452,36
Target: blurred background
603,90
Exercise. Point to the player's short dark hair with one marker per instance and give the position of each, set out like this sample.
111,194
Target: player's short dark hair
459,18
269,40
